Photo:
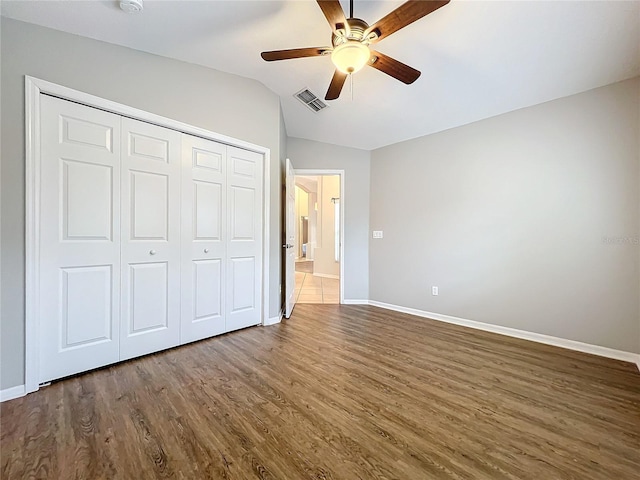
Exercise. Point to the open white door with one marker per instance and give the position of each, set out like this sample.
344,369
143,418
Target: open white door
290,236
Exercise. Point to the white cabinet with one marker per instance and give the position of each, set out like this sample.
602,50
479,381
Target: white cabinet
149,238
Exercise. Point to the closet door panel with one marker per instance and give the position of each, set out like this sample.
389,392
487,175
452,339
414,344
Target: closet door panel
149,203
242,276
79,238
87,213
244,242
208,213
150,238
204,205
208,290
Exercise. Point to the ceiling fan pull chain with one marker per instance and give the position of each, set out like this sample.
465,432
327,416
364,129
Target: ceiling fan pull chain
351,81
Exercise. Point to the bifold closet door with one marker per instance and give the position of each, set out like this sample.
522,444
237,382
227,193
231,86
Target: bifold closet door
222,238
244,238
150,238
204,226
79,233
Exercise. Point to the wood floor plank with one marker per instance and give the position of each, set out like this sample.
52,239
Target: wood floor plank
335,392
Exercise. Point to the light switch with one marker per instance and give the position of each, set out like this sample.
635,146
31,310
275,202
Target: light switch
377,234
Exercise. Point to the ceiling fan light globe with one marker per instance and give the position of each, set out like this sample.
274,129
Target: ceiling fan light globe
350,56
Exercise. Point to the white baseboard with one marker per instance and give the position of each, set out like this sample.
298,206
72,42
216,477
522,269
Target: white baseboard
513,332
355,301
273,320
327,275
11,393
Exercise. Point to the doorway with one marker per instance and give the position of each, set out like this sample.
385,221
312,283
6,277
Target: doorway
318,233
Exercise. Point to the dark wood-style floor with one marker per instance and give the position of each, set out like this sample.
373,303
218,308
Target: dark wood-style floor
336,392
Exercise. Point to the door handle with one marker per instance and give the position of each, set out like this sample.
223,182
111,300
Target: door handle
287,245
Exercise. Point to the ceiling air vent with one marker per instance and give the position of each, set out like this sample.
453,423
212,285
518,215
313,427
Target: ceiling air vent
310,100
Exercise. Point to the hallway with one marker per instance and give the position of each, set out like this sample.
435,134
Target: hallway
312,289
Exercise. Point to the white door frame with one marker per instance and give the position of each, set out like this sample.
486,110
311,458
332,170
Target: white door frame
340,173
33,88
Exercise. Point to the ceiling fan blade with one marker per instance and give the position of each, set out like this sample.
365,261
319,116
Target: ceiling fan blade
404,15
337,82
335,15
394,68
294,53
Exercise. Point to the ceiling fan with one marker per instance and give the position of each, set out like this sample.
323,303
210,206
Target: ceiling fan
352,37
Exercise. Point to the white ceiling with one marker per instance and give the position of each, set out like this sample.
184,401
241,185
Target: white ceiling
478,58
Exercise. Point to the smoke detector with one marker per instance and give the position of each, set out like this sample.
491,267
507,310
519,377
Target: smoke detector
131,6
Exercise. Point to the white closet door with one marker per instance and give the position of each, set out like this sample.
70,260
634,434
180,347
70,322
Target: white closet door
150,238
244,238
204,167
79,238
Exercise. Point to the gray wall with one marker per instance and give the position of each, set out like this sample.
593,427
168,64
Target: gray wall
307,154
528,220
206,98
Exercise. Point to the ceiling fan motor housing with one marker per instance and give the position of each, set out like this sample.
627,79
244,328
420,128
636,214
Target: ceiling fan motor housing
357,29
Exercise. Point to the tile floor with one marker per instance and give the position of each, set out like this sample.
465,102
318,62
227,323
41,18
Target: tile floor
310,289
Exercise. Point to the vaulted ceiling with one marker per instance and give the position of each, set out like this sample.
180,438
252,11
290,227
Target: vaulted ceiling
478,58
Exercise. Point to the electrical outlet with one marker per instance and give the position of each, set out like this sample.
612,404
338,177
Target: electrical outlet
377,234
434,290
